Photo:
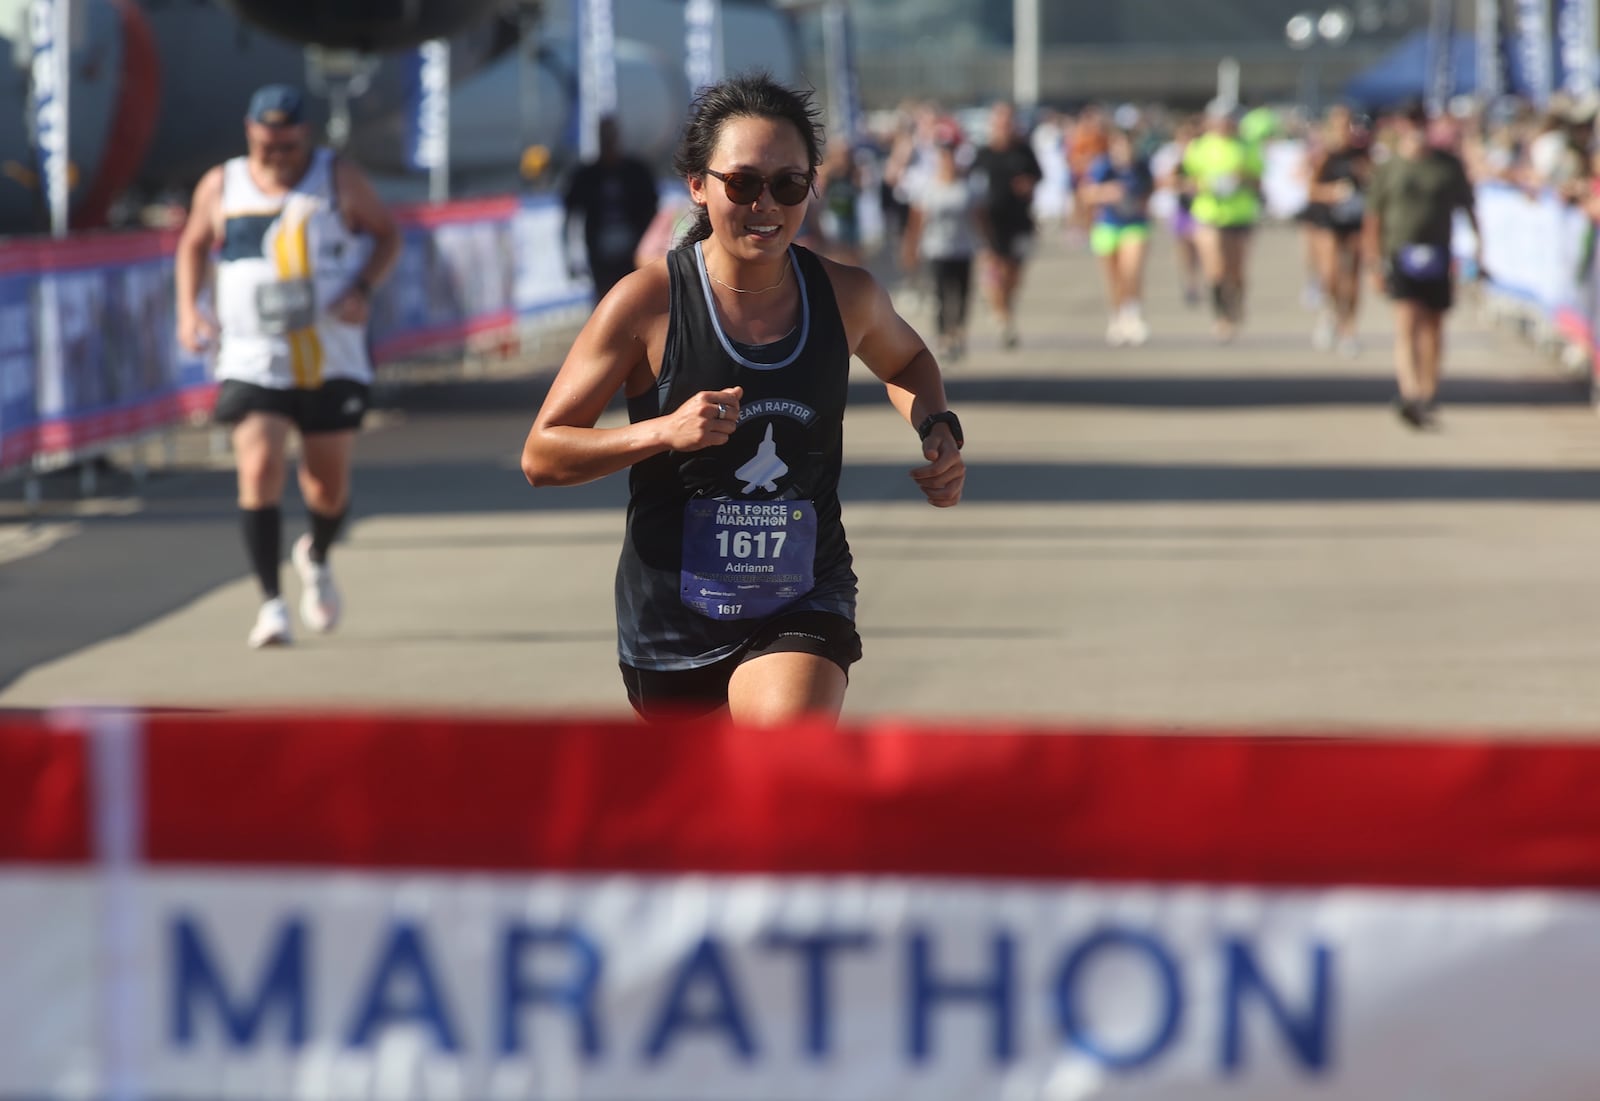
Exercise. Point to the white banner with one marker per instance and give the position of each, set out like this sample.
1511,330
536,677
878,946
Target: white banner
635,988
1441,75
50,1000
428,103
477,910
1531,36
597,78
844,98
49,28
543,281
1576,33
702,32
1532,246
1490,74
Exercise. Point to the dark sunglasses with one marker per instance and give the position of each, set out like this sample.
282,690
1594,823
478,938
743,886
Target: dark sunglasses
789,188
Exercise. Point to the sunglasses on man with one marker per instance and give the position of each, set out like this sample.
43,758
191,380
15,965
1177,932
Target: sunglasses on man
789,188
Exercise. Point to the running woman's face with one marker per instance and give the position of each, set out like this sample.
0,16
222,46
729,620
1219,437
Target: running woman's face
764,228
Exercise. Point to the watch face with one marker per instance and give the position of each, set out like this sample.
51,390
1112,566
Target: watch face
946,417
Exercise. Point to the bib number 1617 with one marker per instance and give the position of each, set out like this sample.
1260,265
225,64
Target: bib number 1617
744,544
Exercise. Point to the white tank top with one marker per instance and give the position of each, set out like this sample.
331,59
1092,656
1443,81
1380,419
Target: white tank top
284,259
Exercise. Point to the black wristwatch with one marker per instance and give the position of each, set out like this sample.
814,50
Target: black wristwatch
947,417
363,286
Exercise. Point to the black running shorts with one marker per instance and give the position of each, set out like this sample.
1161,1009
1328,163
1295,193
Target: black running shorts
1434,294
690,692
337,405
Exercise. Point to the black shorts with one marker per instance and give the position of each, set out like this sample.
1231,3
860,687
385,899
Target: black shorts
1012,242
687,693
1434,294
337,405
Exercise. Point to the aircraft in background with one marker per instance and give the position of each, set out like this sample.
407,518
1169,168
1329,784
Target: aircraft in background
158,93
159,89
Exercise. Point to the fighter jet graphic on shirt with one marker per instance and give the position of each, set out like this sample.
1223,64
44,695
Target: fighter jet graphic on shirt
765,469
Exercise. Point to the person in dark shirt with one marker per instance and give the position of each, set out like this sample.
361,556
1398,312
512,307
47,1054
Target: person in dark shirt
1338,171
1406,235
615,195
1010,173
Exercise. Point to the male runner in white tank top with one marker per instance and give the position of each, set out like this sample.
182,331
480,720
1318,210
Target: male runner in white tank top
302,240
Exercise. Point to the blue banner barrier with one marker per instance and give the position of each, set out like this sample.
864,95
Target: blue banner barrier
88,348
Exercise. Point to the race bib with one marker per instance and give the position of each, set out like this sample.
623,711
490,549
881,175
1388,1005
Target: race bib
1422,262
746,559
1224,185
286,306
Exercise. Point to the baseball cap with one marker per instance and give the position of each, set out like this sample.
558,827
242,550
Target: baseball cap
277,105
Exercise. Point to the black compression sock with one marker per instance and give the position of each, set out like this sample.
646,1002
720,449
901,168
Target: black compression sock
263,542
1219,300
324,530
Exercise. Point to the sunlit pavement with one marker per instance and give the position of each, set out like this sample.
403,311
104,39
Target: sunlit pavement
1183,534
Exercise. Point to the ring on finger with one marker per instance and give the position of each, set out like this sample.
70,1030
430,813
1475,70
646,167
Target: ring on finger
721,410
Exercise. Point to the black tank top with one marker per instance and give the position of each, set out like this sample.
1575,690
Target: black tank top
1340,165
1343,166
793,408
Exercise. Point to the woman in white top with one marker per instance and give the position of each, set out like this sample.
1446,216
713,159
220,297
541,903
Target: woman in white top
942,230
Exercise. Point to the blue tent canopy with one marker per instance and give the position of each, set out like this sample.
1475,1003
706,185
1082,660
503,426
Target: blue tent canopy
1402,73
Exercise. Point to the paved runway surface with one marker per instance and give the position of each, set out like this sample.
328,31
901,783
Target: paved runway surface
1182,534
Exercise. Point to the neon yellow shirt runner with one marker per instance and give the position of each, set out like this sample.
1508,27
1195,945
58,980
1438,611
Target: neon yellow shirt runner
1226,172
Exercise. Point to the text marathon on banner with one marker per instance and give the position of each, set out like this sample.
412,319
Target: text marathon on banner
489,909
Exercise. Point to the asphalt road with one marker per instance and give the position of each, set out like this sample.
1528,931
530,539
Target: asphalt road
1180,535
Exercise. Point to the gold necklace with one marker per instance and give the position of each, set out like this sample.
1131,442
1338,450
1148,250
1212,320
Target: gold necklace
758,290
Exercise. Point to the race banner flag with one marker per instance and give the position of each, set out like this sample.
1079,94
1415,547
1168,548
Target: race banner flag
428,106
19,363
49,28
1441,74
1530,38
597,71
1576,41
702,30
1490,56
844,96
486,909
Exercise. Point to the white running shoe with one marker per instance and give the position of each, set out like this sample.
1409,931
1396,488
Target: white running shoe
319,596
1135,330
1350,347
1114,333
1322,334
272,625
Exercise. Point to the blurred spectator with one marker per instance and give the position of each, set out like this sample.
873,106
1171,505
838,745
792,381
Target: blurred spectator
839,186
942,233
1552,159
1339,173
670,225
1407,239
1118,187
1166,165
1227,176
1052,200
1087,143
1009,172
615,196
